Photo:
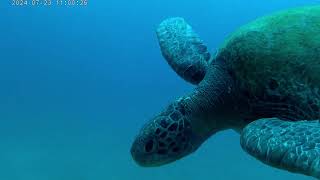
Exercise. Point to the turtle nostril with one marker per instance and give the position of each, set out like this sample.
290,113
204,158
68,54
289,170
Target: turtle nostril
149,146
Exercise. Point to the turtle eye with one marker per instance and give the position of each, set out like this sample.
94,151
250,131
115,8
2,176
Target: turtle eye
149,146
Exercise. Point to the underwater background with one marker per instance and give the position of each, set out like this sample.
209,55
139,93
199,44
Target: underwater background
77,84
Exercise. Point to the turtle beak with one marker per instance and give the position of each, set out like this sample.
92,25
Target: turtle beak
138,153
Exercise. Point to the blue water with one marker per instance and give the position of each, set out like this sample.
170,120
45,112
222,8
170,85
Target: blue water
78,83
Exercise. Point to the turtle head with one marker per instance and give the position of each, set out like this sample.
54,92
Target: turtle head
166,138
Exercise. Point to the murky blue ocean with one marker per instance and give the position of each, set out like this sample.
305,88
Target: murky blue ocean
77,84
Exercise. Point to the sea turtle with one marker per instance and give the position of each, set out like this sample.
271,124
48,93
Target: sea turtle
263,82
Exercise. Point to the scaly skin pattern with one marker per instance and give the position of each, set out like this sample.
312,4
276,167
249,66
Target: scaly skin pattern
184,51
294,146
275,62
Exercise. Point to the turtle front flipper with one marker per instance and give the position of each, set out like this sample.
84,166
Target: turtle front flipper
293,146
183,49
